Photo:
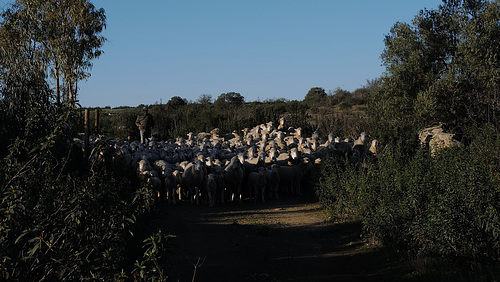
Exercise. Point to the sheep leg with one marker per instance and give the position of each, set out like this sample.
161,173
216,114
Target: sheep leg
296,185
211,200
239,193
192,195
172,195
197,195
256,192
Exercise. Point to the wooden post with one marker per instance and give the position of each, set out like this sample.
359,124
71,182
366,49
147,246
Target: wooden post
87,133
96,121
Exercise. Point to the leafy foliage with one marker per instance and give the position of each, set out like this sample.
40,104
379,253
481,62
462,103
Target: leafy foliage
441,68
64,216
442,206
64,35
228,99
176,101
64,222
315,95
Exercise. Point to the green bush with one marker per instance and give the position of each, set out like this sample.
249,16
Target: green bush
62,221
443,206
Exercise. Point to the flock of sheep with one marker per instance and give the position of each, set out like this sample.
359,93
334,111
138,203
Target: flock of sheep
259,164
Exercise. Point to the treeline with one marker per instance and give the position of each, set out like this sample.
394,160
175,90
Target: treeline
341,112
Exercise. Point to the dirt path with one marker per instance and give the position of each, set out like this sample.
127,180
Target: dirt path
290,239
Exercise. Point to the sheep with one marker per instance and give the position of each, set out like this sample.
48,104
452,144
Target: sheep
233,178
331,138
218,176
297,132
437,137
192,179
342,148
314,136
280,136
269,127
291,176
211,189
374,148
282,125
143,167
273,155
173,162
153,177
295,155
355,158
161,166
360,143
283,159
172,183
251,154
272,181
257,183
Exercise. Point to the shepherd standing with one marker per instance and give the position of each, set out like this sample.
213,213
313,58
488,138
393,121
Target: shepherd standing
145,123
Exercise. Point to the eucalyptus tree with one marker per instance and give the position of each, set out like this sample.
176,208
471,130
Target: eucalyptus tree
25,95
66,32
443,66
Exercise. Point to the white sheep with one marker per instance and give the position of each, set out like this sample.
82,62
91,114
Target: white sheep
172,184
374,148
272,181
291,176
257,183
143,167
192,179
211,189
153,177
233,178
282,125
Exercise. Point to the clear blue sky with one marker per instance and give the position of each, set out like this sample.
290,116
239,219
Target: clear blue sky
262,49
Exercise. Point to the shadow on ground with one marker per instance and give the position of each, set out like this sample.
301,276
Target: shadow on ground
284,240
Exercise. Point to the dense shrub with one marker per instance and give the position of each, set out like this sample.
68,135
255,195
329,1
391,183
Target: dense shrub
67,221
442,206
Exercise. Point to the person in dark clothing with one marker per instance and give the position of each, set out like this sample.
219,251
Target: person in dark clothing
145,123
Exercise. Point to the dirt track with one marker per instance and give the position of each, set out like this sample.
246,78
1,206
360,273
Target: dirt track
290,239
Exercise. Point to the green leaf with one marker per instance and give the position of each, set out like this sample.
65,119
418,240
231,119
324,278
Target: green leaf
21,236
33,250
